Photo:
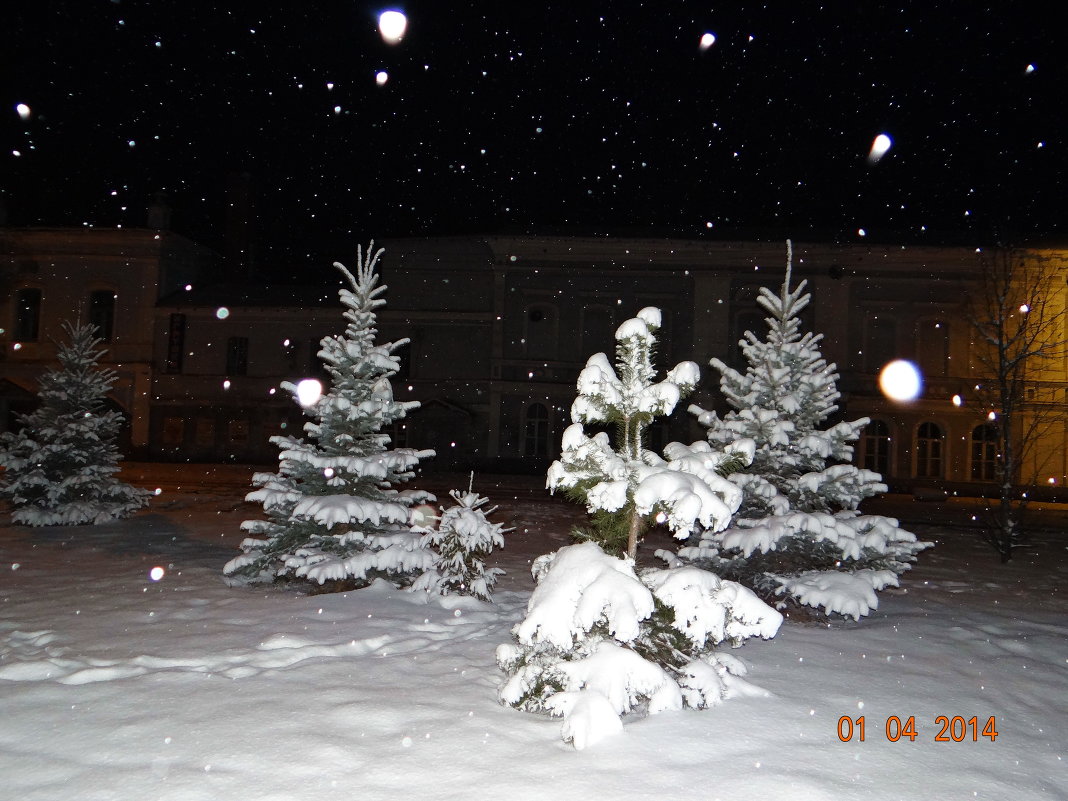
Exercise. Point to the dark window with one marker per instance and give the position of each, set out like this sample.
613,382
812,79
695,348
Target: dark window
102,312
398,434
237,356
598,326
536,431
27,315
930,440
984,452
876,447
175,343
932,347
540,331
880,342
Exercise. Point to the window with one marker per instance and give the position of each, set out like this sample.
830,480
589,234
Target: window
875,445
237,432
984,452
932,347
27,315
204,433
102,312
880,342
173,431
536,430
598,327
398,434
540,331
237,356
175,343
930,439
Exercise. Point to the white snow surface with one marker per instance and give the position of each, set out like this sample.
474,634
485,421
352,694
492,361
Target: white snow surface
115,686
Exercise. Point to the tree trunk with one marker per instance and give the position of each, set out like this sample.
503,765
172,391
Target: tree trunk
632,535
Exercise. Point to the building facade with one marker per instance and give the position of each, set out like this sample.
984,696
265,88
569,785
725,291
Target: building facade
499,328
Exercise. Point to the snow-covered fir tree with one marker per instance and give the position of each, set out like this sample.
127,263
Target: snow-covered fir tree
798,535
59,468
334,510
463,538
601,640
624,485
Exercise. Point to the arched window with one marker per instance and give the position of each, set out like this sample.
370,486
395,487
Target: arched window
932,346
536,430
539,329
984,452
930,443
875,447
27,315
102,312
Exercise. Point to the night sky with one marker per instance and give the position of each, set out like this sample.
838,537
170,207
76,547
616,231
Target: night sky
524,117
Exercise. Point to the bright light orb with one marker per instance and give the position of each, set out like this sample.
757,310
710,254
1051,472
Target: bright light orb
222,313
423,516
381,77
900,381
707,40
309,391
879,147
958,400
392,25
156,573
23,111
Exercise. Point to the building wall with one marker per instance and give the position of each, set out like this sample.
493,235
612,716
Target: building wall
66,266
499,328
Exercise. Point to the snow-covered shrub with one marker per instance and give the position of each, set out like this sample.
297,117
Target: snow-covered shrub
600,641
798,536
334,513
623,485
59,468
463,538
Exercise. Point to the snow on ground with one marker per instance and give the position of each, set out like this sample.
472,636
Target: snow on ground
116,686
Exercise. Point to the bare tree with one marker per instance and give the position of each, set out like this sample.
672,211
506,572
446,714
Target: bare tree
1017,314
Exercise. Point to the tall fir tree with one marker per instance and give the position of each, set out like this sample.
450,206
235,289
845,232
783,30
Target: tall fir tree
59,468
798,532
334,511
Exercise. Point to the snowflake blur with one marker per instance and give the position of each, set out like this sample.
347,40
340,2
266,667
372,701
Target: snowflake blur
900,380
392,25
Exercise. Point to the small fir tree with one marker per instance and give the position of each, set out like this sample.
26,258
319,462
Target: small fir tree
599,639
59,468
463,539
334,513
798,532
624,486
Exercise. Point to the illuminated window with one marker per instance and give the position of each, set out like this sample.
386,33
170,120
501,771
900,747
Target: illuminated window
984,452
930,443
